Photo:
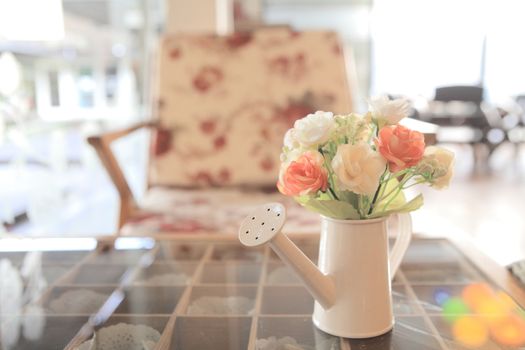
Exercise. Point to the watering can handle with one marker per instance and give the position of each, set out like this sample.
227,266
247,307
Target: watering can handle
402,242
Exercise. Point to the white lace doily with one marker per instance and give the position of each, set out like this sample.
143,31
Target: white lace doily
123,336
221,306
33,322
272,343
78,301
165,279
281,275
289,343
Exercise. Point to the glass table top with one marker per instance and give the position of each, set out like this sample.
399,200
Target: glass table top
206,294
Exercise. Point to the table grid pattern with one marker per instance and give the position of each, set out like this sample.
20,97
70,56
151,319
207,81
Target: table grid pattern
280,305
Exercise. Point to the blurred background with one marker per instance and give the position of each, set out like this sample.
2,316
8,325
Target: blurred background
72,68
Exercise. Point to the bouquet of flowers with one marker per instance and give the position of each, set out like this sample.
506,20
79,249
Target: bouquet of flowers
357,166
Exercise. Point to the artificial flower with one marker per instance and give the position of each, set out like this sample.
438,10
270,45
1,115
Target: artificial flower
389,112
358,168
292,148
354,166
443,162
305,175
314,129
401,147
290,141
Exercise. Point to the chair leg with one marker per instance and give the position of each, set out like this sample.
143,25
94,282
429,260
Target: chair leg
127,208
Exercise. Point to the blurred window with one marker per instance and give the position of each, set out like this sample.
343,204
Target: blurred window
86,88
53,89
420,45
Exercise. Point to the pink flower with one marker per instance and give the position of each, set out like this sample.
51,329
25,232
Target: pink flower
304,176
207,78
400,146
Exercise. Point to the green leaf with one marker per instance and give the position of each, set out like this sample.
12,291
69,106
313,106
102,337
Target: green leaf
348,197
332,208
414,204
324,196
302,199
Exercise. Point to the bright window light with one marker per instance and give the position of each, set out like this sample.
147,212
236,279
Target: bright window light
31,20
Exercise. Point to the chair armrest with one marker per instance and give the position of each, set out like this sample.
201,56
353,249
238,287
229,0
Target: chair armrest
102,145
110,136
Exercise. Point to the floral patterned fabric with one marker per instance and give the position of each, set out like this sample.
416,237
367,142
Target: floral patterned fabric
212,211
224,103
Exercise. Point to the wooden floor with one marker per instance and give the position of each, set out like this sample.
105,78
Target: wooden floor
487,207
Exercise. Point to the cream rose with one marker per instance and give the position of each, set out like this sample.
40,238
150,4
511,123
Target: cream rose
358,168
389,111
314,128
443,162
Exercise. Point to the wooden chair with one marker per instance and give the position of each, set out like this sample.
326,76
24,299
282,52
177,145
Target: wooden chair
223,106
464,119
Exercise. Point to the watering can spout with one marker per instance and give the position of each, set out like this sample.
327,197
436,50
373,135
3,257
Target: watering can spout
264,226
321,286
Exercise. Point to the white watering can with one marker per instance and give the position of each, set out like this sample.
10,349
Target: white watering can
351,286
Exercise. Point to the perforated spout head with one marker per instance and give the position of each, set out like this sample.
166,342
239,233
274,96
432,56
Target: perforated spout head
262,225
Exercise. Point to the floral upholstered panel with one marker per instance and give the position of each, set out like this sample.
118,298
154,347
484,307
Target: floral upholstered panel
224,103
211,211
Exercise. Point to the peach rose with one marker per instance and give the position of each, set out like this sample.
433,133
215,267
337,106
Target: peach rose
305,175
400,146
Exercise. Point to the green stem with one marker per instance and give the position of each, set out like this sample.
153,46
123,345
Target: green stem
384,196
391,199
383,189
332,193
400,173
415,183
402,182
374,199
398,189
360,205
328,166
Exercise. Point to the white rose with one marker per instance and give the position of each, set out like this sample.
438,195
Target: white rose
444,161
314,128
290,141
292,148
358,168
390,111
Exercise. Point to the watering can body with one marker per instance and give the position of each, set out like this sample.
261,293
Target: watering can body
355,255
351,284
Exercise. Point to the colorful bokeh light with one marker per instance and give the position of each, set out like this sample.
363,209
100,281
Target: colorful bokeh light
481,314
470,331
454,308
